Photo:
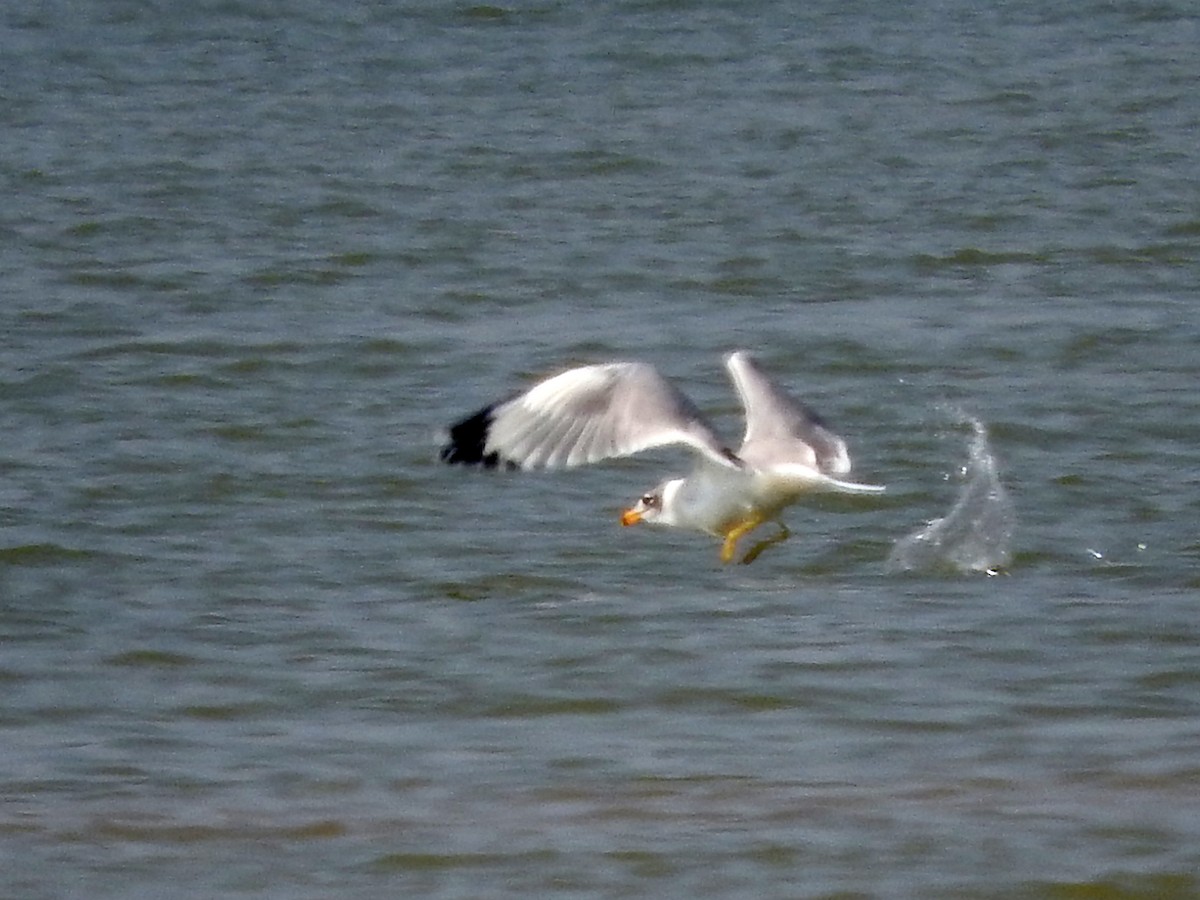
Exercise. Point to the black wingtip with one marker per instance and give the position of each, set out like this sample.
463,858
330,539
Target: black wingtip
468,442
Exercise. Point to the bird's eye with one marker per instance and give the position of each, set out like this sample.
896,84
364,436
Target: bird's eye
650,500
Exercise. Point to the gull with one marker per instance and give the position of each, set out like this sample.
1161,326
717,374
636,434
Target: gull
615,409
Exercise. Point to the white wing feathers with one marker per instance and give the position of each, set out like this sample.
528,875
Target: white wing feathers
779,430
597,412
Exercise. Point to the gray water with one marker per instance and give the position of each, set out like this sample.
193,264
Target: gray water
256,642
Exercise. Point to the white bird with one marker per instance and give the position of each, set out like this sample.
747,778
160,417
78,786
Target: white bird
597,412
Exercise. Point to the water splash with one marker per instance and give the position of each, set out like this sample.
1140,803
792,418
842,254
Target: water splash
976,534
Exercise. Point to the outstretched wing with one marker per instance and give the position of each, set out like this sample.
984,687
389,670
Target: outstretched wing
583,416
781,431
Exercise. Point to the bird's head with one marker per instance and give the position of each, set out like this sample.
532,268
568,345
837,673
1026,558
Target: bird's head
655,507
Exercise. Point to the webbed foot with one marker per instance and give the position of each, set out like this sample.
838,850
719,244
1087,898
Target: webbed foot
778,537
729,548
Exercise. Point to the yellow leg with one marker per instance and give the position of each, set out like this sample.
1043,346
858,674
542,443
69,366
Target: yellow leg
735,534
781,535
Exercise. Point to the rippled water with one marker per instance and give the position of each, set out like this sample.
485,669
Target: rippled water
257,643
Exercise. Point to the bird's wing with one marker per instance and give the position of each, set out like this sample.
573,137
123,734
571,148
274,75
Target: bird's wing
583,416
781,431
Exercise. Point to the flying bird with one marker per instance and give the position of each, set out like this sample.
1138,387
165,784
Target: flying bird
614,409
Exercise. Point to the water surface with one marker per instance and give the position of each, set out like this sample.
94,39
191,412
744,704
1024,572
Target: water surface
257,643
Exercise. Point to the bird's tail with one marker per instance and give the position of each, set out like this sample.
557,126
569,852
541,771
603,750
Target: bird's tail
853,487
804,478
